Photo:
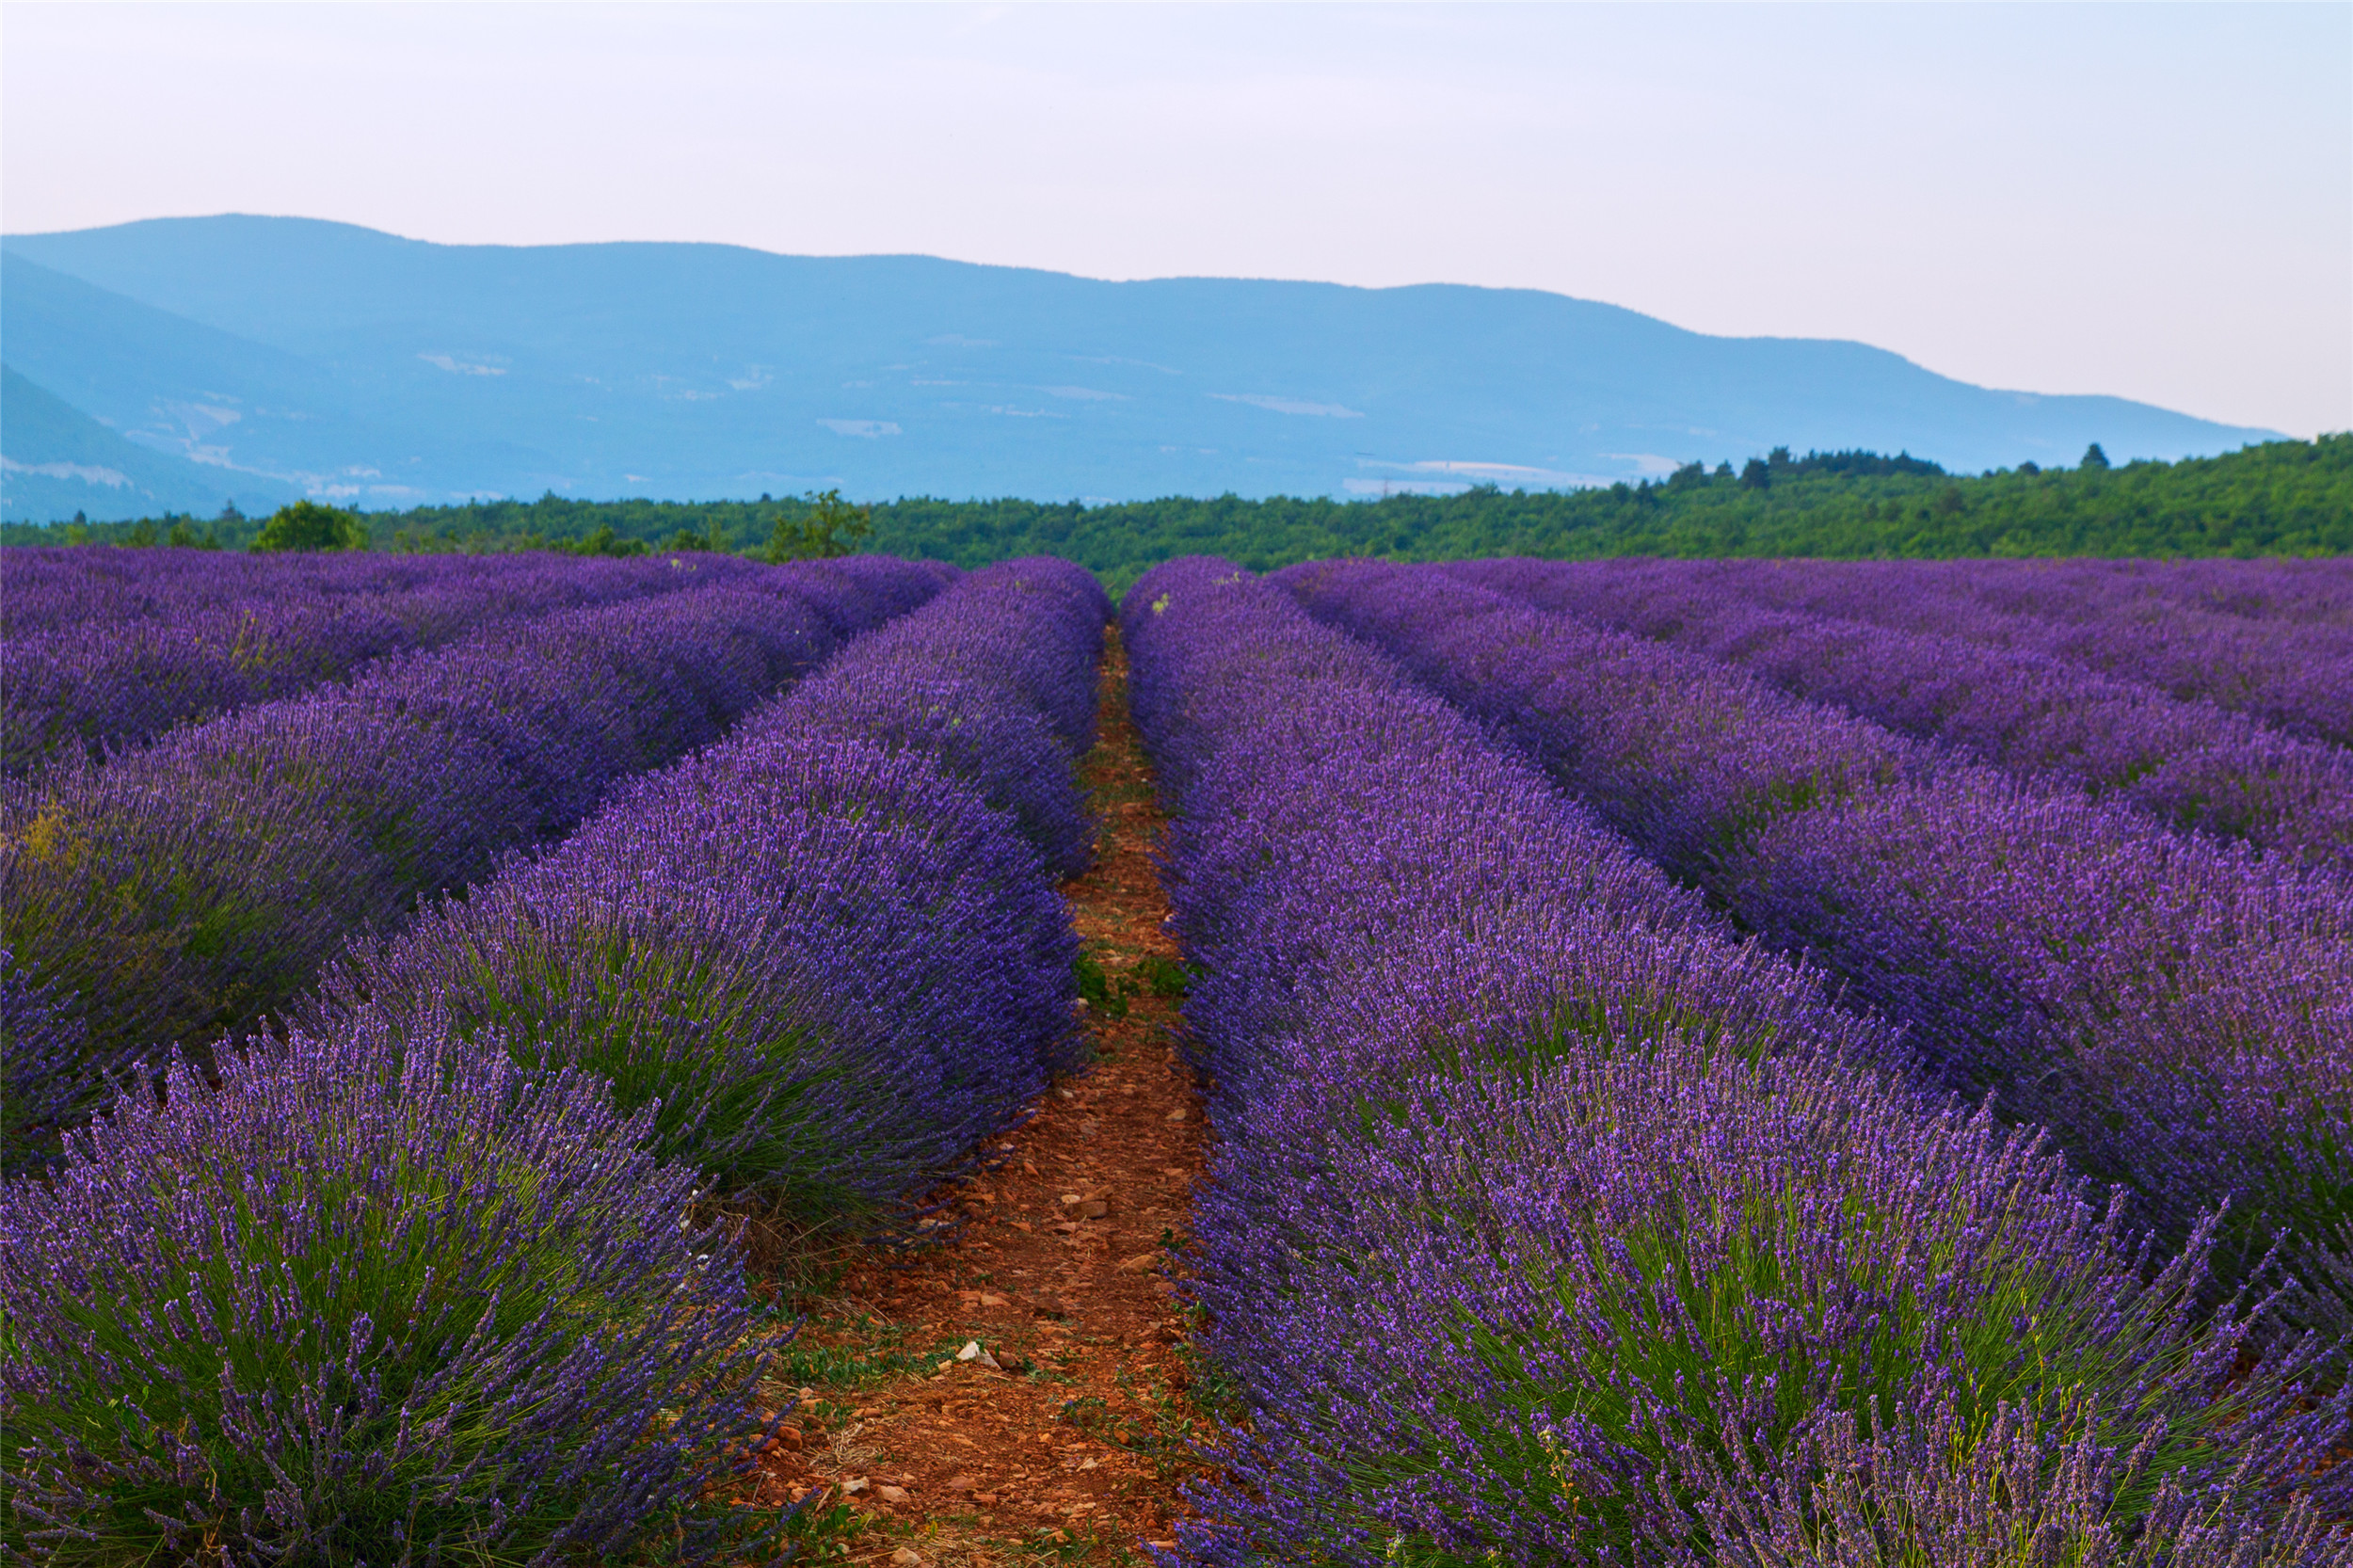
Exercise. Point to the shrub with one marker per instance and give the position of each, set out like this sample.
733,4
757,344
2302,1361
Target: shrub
1548,1225
835,970
827,947
185,889
46,1078
364,1306
307,525
1622,1308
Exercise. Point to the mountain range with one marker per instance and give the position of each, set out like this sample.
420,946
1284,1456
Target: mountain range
179,362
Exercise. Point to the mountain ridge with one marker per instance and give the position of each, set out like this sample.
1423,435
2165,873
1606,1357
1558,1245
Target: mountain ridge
426,372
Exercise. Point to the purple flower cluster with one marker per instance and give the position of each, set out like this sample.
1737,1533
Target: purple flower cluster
44,1071
2293,671
359,1303
50,587
2177,1010
182,891
995,684
2191,763
825,949
2292,590
109,680
1548,1225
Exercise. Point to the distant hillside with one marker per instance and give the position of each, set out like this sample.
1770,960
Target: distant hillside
388,372
58,461
2286,498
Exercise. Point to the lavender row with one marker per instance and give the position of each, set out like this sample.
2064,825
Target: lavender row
2318,591
105,683
2191,763
2178,1010
2298,676
811,960
996,688
342,1298
184,890
52,587
830,949
1546,1224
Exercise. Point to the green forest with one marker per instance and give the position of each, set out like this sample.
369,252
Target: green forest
2282,498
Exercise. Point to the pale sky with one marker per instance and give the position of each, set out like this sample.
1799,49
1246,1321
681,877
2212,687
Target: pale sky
2152,200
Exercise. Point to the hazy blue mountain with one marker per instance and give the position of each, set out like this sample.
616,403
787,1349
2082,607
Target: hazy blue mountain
390,371
58,460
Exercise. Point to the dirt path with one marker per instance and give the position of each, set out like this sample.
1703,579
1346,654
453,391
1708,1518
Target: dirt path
1069,1448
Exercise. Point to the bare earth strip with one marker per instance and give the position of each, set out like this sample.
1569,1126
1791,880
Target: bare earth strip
1071,1447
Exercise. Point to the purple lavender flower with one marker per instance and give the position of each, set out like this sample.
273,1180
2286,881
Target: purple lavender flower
1583,1311
823,948
2190,763
2292,672
107,680
994,681
184,890
2178,1010
365,1304
47,1079
1549,1223
835,969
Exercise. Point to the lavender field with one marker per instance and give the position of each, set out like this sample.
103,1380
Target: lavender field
1760,1062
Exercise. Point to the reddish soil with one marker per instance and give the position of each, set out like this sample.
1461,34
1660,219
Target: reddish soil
1071,1448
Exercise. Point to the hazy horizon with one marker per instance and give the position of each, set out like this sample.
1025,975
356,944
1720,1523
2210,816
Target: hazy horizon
2146,202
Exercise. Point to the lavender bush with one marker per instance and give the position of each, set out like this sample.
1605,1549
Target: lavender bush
357,1304
46,1076
2318,590
2294,674
184,890
1598,1315
1547,1224
2191,763
993,682
2181,1014
835,970
50,587
2175,1009
825,952
111,681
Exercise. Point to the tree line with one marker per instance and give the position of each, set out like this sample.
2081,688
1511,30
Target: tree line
2281,497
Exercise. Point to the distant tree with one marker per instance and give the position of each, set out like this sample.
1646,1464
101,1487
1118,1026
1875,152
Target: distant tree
1778,460
1724,470
2282,498
832,527
144,535
307,525
1688,475
604,542
2030,467
1755,475
686,539
2094,457
1857,462
229,512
